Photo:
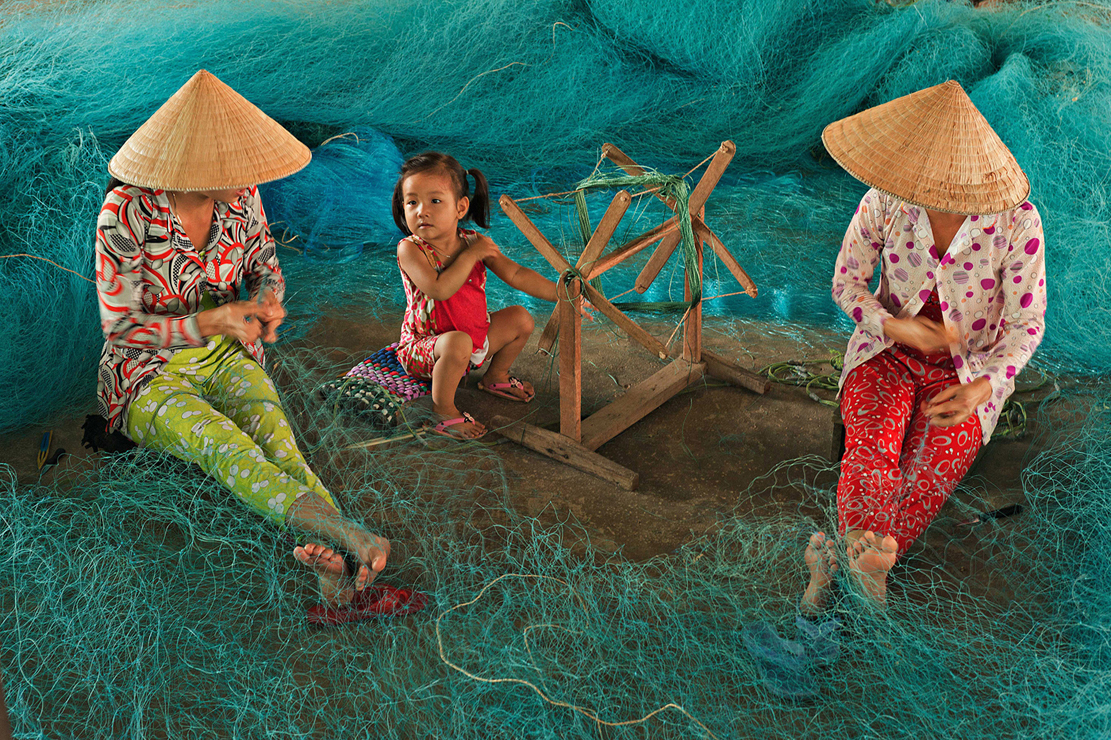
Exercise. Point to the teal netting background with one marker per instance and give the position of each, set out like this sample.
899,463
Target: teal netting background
183,644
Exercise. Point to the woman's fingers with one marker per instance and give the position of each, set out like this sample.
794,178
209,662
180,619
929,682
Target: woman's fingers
944,395
242,322
949,407
950,421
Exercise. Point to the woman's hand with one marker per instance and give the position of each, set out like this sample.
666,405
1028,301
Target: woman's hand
483,248
270,315
920,333
235,319
956,403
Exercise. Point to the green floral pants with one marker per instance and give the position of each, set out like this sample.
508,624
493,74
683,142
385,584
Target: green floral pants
216,407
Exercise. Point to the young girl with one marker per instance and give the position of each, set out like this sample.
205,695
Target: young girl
447,329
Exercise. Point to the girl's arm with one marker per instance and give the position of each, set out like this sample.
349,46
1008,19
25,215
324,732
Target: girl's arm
522,278
440,286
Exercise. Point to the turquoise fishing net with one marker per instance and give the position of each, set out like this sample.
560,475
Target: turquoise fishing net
139,601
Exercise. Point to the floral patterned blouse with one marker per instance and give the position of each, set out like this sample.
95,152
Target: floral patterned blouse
150,281
991,284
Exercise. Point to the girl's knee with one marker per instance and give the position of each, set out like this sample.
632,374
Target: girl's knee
525,320
519,318
455,346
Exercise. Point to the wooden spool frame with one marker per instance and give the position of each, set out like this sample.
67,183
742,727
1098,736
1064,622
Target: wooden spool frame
578,438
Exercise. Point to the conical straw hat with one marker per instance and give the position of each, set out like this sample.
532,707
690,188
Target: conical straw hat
208,137
931,148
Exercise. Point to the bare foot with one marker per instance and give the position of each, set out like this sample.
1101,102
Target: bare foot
336,585
821,558
870,558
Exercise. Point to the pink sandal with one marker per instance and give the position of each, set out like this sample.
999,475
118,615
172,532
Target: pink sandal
501,389
443,427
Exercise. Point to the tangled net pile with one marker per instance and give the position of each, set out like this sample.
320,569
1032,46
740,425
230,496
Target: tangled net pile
139,601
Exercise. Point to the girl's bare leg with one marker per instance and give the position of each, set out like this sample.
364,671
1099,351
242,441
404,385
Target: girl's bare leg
453,356
510,329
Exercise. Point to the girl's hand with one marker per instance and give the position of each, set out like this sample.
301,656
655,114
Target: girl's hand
270,315
483,248
920,333
956,403
235,319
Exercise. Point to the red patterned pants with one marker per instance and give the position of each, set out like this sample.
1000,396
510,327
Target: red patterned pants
897,469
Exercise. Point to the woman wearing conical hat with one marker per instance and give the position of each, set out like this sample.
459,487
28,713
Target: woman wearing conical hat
958,312
181,231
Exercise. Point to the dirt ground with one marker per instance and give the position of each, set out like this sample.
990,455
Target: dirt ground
701,457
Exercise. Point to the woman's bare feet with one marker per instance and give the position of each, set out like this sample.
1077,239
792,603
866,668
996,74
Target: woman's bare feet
821,559
870,558
311,513
336,585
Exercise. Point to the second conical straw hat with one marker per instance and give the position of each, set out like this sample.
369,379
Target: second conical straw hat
931,148
208,137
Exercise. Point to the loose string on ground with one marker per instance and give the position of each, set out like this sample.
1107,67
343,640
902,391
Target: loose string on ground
593,716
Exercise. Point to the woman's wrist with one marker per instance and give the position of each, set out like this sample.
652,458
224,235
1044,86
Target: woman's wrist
210,322
892,327
984,389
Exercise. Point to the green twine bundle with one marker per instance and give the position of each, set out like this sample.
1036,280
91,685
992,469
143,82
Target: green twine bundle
670,187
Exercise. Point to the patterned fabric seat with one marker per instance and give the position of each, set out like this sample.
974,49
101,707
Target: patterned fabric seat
385,369
376,387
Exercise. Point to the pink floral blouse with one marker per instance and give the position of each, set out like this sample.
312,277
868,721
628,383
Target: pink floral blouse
150,280
991,284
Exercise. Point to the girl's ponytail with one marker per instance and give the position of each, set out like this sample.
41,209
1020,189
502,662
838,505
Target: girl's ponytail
479,210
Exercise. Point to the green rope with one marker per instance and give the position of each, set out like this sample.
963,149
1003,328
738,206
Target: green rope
668,186
794,372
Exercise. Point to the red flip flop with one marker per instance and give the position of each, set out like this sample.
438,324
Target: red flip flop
373,602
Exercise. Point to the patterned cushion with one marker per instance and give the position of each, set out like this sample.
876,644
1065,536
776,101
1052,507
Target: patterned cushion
385,369
375,388
364,398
